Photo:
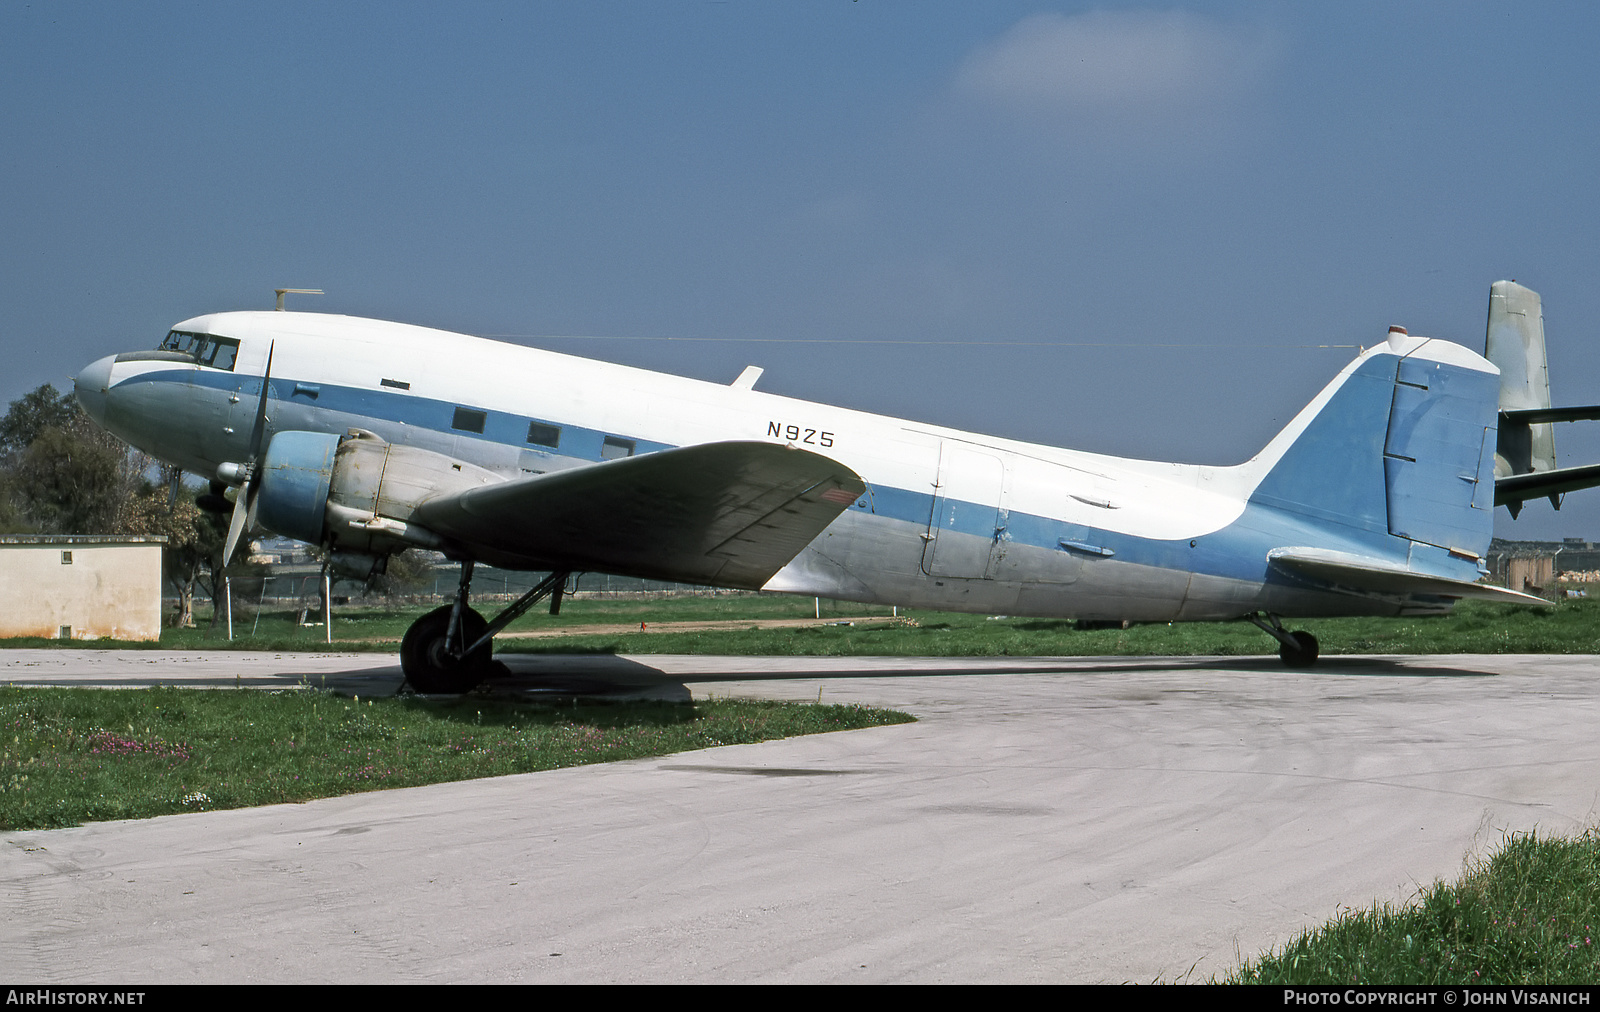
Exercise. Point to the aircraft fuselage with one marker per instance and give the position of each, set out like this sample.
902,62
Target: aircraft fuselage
950,519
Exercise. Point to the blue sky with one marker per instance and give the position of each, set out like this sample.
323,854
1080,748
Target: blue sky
1117,227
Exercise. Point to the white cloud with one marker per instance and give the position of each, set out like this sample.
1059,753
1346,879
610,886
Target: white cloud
1119,62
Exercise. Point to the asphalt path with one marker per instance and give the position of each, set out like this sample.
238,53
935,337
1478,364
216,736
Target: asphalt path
1046,819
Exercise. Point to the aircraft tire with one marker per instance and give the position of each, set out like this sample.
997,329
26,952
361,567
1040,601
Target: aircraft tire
428,668
1303,654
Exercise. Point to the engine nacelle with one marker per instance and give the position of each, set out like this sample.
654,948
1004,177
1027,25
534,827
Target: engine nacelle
296,473
354,494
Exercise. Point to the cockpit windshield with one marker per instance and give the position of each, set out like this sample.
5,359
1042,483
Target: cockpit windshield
205,349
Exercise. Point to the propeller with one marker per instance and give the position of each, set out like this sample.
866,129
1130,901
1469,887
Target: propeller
244,504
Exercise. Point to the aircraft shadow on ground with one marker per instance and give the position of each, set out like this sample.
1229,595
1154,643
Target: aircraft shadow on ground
614,674
618,677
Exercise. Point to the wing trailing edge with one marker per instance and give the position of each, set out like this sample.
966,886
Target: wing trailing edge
728,514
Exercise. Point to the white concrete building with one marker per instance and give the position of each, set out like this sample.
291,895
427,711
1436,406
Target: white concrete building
80,586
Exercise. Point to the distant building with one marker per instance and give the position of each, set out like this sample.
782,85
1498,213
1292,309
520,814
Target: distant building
1539,565
80,587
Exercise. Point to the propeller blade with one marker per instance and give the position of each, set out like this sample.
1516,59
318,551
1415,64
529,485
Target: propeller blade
244,504
261,409
236,524
250,508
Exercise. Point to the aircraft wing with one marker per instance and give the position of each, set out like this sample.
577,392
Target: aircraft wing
730,514
1514,488
1360,574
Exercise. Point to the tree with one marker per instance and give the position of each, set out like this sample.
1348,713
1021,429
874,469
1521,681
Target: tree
406,574
60,473
31,414
194,537
12,519
63,473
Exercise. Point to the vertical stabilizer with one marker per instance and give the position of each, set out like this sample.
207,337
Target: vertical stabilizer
1515,343
1396,455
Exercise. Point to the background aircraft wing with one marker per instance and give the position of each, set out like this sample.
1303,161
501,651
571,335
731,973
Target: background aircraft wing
730,514
1514,488
1360,574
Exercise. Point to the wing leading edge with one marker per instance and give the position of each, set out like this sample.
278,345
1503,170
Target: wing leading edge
728,514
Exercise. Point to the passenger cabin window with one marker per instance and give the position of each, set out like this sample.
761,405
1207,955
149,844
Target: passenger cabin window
613,448
468,420
540,434
206,349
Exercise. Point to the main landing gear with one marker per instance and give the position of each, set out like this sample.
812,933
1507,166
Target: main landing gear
448,650
1298,649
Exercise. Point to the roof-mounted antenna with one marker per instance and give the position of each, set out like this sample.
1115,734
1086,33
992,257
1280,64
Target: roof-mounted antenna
296,291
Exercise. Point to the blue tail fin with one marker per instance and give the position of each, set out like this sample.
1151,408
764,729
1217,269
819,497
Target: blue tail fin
1399,446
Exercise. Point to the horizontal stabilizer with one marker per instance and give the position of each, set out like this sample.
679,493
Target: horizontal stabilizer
726,514
1534,416
1515,488
1361,574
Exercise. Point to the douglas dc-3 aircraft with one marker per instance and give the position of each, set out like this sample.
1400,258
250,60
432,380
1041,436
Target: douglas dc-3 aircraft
365,438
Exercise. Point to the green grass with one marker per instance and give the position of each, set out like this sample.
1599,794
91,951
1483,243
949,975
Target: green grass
1474,627
69,756
1572,627
1527,915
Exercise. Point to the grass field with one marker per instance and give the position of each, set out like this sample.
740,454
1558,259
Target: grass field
1572,626
69,756
1526,915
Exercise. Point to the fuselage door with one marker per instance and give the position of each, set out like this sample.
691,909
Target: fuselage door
232,380
966,530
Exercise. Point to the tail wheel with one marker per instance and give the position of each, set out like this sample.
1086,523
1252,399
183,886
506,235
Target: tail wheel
429,668
1304,652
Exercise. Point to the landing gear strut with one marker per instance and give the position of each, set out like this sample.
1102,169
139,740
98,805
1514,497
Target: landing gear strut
1298,649
448,650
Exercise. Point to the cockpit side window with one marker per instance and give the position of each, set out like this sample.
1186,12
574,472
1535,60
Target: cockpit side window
205,349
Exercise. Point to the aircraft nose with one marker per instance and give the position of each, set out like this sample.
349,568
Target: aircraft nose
92,385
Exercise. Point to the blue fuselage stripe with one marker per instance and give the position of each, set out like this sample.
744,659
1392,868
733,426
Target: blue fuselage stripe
1238,551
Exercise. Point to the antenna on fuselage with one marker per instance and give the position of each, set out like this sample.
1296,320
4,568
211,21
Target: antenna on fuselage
295,291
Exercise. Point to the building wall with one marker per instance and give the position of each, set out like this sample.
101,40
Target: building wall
107,590
1532,575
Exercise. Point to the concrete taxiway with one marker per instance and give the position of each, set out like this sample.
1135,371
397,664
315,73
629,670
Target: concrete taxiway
1071,819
